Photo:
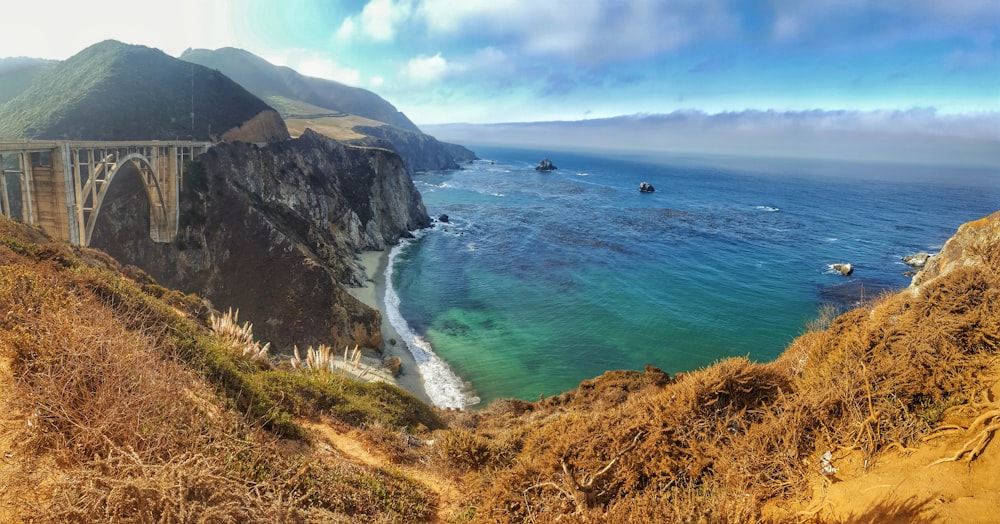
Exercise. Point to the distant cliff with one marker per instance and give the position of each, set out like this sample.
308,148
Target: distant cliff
420,152
273,231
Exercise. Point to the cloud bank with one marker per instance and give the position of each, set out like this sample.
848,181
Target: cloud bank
918,136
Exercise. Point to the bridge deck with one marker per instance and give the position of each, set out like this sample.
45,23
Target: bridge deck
48,145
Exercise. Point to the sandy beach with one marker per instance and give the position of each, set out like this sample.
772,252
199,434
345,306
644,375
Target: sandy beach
373,295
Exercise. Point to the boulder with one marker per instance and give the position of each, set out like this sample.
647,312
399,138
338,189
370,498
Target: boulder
844,269
546,165
646,187
917,260
394,365
443,219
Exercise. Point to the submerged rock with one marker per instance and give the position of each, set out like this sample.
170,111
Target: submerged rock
646,187
546,165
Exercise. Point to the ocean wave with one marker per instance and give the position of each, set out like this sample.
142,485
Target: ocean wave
583,174
769,209
443,386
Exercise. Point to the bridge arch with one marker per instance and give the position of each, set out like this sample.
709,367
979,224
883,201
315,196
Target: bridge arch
98,184
64,195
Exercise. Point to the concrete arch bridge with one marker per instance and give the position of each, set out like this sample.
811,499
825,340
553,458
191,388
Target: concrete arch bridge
59,185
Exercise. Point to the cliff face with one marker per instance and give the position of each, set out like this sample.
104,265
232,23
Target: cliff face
272,231
420,152
975,243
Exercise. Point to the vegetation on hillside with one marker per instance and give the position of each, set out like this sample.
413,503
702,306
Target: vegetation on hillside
16,74
266,80
116,91
120,404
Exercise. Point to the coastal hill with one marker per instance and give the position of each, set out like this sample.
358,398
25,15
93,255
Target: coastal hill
121,399
116,91
342,112
17,73
283,86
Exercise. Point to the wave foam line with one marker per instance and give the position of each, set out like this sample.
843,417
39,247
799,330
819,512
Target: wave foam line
442,385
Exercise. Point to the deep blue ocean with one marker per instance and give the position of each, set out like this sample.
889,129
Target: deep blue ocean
542,280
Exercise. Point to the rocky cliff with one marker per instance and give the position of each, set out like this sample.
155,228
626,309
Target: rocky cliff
273,231
976,243
420,152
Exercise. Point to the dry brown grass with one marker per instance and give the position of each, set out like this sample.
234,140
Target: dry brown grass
108,422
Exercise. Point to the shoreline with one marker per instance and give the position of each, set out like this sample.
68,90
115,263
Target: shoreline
372,294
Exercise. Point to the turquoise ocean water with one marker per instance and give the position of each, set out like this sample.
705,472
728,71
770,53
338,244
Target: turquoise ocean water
542,280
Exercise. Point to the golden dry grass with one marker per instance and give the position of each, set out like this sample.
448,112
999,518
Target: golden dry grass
335,127
109,416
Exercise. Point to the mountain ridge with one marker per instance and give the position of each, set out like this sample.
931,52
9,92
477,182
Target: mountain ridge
117,91
420,151
266,80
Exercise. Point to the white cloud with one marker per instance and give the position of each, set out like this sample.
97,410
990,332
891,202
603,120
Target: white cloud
346,31
840,23
376,82
379,20
424,70
587,32
315,64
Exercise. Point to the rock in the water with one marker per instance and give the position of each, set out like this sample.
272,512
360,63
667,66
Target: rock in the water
443,219
917,260
546,165
844,269
646,187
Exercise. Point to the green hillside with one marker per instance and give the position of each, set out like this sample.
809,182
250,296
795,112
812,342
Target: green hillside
17,73
116,91
267,80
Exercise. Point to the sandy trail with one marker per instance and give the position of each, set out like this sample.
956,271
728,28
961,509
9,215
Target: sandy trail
450,497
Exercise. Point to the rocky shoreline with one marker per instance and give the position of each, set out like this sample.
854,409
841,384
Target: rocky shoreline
372,294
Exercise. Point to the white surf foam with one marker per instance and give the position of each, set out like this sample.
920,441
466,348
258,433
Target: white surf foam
445,389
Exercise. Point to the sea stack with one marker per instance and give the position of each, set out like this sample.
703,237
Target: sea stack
646,187
546,165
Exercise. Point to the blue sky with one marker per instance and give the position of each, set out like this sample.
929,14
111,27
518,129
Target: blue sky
487,61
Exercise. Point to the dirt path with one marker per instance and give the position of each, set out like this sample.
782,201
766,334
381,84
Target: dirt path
919,484
449,496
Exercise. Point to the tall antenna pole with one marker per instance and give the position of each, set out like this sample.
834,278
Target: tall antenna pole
192,101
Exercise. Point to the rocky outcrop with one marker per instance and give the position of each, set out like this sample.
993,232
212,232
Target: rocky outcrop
273,231
267,126
420,152
546,165
844,269
916,260
646,187
976,243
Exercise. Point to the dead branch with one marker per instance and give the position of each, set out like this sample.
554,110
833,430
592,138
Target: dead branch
583,492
